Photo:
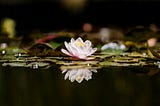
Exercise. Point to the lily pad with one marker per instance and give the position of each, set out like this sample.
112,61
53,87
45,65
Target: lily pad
42,50
33,65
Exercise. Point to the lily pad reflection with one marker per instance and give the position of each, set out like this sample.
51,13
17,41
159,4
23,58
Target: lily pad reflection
74,73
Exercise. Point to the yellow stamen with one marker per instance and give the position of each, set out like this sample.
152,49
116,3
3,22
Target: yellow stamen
78,78
80,44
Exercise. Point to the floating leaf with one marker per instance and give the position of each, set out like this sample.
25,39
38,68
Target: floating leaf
33,65
152,53
42,49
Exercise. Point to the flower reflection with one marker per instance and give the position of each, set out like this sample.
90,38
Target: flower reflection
78,74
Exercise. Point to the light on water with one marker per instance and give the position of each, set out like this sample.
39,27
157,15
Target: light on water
3,52
35,66
18,55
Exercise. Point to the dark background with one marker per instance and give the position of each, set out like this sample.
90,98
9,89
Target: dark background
110,86
50,15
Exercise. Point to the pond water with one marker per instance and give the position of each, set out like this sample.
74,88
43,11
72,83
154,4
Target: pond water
109,79
108,86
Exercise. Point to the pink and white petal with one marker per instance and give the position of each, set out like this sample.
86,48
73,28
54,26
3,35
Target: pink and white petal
74,50
74,45
90,58
87,74
70,49
79,40
82,56
67,75
85,54
66,52
72,79
87,44
63,71
67,45
93,70
80,80
92,51
82,50
72,76
72,41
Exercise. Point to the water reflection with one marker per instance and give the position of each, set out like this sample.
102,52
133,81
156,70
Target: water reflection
110,86
78,74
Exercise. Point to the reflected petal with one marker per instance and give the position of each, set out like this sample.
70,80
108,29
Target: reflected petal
79,78
78,74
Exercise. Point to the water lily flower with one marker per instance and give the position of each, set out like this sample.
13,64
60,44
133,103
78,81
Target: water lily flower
78,74
79,49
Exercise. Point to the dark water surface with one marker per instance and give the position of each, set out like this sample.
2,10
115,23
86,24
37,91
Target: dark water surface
110,86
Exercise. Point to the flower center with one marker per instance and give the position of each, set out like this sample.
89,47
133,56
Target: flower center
78,78
80,44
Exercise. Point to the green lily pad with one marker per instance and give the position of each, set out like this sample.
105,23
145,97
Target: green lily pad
33,65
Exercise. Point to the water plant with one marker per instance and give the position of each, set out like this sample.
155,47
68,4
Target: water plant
79,49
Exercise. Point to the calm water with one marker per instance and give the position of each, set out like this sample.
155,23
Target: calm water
109,86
